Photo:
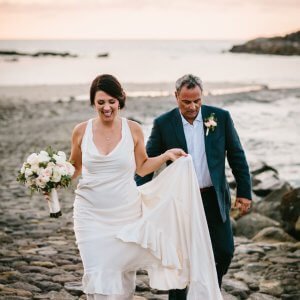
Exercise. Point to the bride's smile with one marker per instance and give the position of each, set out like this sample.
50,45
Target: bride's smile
106,106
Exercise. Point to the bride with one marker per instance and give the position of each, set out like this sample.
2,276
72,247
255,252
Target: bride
119,227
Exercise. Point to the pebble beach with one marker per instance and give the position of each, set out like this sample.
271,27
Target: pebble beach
38,255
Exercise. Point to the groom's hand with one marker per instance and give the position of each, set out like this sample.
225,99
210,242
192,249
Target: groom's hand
243,204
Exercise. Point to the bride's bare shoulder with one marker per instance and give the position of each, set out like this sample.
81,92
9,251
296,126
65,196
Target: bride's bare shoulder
134,125
79,129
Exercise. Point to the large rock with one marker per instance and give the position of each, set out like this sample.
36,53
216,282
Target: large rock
252,280
60,295
290,297
258,167
287,45
273,235
270,205
36,54
62,278
8,292
249,225
259,171
266,182
227,296
290,212
48,286
25,286
74,288
272,287
260,296
236,288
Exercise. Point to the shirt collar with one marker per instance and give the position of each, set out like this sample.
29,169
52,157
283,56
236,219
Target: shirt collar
198,118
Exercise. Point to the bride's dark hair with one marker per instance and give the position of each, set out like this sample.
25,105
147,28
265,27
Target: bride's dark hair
110,85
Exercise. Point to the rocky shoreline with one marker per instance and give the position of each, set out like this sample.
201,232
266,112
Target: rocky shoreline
13,55
286,45
38,255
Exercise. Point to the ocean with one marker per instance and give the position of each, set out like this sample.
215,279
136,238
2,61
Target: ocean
145,62
266,114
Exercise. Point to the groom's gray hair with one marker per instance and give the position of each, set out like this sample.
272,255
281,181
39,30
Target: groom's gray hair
190,81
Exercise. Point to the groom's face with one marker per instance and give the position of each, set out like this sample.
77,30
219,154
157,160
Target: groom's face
189,102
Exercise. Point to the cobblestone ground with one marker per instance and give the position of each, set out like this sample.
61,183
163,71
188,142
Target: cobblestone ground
38,255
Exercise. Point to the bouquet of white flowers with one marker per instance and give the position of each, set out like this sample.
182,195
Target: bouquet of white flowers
44,172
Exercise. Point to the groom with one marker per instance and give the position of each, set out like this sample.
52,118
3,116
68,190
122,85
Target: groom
207,133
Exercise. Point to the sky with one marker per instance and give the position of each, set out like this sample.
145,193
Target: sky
147,19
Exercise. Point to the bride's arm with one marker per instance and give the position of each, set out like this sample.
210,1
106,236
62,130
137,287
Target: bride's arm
145,164
76,154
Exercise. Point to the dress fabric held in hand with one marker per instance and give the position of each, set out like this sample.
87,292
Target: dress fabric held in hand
159,227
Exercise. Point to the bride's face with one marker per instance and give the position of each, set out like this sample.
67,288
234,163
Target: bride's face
106,106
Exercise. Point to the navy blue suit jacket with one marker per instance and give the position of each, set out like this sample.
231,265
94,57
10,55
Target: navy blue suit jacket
167,133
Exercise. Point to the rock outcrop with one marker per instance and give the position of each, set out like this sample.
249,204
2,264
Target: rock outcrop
37,54
250,224
290,212
286,45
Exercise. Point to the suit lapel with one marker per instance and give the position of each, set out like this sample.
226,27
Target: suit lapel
178,127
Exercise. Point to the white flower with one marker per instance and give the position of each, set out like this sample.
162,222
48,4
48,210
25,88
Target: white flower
32,159
28,172
59,159
29,182
56,175
35,168
46,172
44,178
40,183
210,123
43,152
62,154
62,169
70,168
50,165
43,156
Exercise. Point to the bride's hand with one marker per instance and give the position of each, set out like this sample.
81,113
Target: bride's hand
174,153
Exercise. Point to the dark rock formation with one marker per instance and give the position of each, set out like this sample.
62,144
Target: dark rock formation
47,53
286,45
37,54
270,205
266,181
290,212
105,54
260,167
250,224
273,234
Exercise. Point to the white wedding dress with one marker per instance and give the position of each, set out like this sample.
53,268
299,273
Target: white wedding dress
159,227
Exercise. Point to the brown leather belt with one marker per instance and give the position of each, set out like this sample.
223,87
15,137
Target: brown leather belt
205,189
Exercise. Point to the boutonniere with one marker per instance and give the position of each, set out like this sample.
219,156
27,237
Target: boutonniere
210,123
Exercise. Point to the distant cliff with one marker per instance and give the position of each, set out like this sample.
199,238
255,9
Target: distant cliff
286,45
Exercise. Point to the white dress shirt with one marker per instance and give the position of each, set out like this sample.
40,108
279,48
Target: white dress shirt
194,135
